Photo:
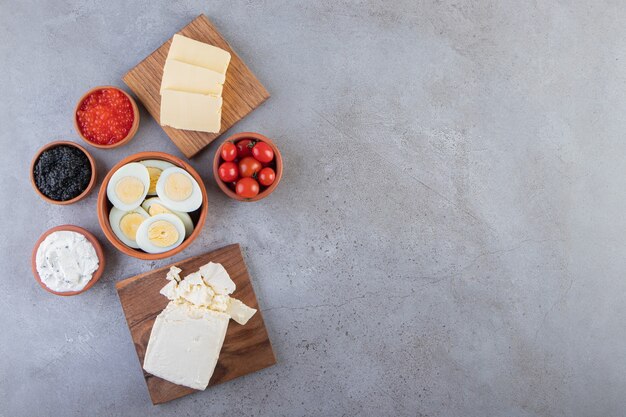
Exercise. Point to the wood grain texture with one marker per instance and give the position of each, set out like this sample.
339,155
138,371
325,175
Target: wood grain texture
243,92
246,348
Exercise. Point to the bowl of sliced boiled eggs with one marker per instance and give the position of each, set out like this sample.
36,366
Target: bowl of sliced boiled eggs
152,205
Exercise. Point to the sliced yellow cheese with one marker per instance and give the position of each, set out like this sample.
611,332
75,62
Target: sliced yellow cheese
191,111
181,76
198,53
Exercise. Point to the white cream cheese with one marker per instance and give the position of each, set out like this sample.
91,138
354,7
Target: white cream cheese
66,261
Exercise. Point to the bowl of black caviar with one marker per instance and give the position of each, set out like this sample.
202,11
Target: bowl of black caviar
63,172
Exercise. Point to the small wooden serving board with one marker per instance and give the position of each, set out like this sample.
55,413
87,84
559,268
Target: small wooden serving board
246,348
242,93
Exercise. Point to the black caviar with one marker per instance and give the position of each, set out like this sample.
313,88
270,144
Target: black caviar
62,173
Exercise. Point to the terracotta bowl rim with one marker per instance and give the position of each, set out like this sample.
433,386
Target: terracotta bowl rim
131,132
90,237
92,181
103,212
279,166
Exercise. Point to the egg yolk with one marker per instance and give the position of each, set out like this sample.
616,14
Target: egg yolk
162,233
157,209
130,223
154,173
178,186
129,189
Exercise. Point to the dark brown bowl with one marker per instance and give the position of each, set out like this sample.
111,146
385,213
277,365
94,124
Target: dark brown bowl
277,156
91,238
92,181
131,132
104,206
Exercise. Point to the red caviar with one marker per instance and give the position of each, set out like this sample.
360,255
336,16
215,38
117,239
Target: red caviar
105,116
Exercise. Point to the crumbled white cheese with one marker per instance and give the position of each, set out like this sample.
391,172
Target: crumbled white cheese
238,311
219,303
199,295
208,287
216,276
188,334
173,274
169,290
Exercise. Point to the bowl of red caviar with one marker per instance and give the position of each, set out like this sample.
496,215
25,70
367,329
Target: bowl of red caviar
106,117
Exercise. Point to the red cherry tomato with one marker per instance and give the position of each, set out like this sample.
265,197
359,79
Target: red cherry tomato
249,166
267,176
244,148
263,152
228,172
247,187
228,151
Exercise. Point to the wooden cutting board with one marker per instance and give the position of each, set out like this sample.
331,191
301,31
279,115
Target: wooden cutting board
246,348
242,93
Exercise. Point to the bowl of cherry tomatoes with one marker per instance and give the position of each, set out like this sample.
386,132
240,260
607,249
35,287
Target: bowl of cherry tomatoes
248,166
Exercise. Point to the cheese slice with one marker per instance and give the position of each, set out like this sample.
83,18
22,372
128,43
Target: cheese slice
191,78
185,344
198,53
191,111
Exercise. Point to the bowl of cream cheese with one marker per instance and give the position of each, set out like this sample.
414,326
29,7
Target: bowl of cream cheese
67,260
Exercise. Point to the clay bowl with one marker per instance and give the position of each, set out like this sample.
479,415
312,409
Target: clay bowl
104,207
92,181
131,132
91,238
217,160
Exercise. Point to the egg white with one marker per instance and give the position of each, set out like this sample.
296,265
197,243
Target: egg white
115,217
134,169
156,163
188,205
142,233
186,218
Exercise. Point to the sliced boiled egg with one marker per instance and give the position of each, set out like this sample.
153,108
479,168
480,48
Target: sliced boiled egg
178,190
160,233
126,223
128,186
155,206
155,168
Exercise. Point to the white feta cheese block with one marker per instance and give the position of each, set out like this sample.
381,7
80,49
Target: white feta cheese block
191,111
199,53
185,344
181,76
239,312
216,276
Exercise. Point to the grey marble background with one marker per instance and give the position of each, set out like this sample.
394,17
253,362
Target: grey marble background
448,239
